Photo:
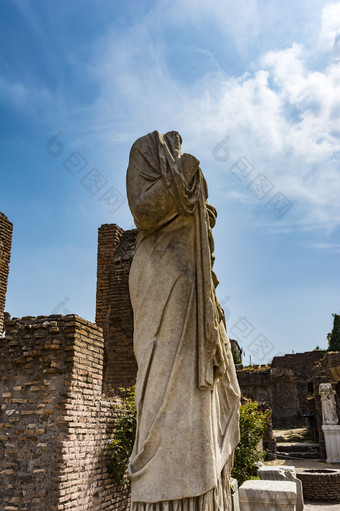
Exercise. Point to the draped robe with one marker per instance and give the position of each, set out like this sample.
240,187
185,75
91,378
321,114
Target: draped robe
187,395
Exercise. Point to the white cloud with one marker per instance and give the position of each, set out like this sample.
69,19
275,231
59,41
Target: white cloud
238,21
328,246
284,116
330,26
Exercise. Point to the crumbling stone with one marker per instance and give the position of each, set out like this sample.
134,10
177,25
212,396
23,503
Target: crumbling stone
54,421
6,229
114,314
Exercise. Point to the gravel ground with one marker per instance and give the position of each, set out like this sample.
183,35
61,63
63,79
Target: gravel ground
305,464
320,505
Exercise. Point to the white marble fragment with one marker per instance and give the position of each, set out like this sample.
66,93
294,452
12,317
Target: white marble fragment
261,495
283,473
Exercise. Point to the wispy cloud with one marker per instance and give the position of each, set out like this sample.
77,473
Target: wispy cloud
334,247
25,96
284,115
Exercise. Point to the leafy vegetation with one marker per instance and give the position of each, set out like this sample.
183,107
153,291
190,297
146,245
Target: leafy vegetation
120,447
334,338
253,424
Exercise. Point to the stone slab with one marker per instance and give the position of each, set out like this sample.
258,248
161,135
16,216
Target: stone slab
284,473
262,495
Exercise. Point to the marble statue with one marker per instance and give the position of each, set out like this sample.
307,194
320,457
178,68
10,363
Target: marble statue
187,395
328,404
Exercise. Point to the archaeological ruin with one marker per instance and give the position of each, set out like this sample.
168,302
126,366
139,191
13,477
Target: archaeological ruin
56,417
6,229
59,386
113,307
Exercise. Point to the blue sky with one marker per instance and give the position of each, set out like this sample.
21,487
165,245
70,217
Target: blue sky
254,89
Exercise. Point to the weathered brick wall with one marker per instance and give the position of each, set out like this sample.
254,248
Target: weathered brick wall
113,311
109,236
300,363
55,423
6,229
324,485
277,388
33,380
284,386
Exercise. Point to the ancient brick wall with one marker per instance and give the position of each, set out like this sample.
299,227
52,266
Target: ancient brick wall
55,423
109,236
113,310
320,484
300,363
277,388
6,229
284,386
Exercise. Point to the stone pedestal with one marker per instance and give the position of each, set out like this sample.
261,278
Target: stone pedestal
283,473
332,441
267,496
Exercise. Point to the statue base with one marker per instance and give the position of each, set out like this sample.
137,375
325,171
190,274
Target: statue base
332,441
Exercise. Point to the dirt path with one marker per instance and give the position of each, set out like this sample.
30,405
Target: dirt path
320,505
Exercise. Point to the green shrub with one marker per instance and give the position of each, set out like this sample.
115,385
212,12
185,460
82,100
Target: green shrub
334,338
253,424
120,447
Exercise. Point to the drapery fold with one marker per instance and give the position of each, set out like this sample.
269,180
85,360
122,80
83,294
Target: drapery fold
190,199
187,395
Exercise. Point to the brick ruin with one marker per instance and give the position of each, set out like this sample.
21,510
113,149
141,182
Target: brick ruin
55,421
113,309
290,386
284,385
57,380
6,229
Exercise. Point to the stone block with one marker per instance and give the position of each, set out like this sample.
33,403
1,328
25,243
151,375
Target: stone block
283,473
332,441
261,495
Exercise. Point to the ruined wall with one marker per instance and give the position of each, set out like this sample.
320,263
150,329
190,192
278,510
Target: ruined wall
113,309
321,486
6,229
278,388
284,386
109,235
300,363
55,423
